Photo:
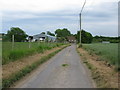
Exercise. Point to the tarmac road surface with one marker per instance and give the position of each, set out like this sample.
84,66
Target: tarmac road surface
64,70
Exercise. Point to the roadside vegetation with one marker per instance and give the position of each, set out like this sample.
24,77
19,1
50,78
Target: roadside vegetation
108,52
20,55
0,49
103,74
21,49
7,82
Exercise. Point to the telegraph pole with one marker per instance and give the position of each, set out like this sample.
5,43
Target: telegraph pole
80,28
80,21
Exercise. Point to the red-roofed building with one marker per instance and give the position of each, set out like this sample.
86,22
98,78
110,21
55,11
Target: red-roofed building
71,39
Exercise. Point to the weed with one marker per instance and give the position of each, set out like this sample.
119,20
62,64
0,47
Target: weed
65,65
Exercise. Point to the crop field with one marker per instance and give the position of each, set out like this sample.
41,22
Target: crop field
107,52
0,52
22,49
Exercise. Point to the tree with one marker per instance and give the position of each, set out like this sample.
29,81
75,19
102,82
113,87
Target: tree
18,33
61,39
104,38
43,33
62,32
86,37
51,34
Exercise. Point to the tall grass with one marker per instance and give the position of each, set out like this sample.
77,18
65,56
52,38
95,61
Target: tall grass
21,49
18,75
107,52
0,51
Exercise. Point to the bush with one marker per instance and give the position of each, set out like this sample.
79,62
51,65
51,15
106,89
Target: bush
86,37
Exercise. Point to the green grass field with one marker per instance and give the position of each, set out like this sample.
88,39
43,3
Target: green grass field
21,49
0,53
107,52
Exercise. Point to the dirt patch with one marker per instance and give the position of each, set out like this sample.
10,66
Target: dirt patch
104,74
18,65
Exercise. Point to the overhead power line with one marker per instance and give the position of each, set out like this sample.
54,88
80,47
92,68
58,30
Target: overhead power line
80,20
83,6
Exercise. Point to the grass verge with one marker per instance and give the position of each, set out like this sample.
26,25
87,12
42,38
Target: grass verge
18,75
21,50
104,76
107,52
99,80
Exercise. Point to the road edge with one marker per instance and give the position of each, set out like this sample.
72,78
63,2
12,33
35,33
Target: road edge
28,69
87,69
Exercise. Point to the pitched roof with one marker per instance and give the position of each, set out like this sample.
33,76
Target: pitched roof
71,38
43,35
38,36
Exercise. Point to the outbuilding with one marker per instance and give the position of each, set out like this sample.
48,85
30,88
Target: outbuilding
43,37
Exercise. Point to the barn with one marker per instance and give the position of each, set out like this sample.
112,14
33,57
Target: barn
43,37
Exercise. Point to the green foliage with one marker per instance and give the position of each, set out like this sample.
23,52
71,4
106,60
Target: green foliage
107,52
103,38
114,41
79,45
65,65
21,49
61,39
86,37
49,33
5,38
43,33
18,75
62,32
18,33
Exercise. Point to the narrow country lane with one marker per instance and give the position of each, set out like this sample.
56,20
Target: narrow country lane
64,70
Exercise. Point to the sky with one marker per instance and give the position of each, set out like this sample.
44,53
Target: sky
99,17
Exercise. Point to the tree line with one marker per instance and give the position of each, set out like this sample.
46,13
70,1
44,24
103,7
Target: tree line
97,39
61,34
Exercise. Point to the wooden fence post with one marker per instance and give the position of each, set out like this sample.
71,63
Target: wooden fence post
13,37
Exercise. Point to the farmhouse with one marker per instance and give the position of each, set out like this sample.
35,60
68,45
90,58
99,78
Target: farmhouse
43,37
71,39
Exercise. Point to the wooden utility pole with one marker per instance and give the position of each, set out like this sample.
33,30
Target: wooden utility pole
80,21
80,28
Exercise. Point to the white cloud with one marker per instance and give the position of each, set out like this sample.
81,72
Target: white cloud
11,8
35,5
0,22
26,9
45,5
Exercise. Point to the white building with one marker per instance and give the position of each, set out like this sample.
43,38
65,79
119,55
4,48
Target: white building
105,41
43,37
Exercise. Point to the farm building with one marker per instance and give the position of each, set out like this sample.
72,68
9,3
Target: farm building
105,41
43,37
71,39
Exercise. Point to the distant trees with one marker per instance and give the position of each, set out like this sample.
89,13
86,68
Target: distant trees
62,32
49,33
18,33
97,39
86,37
61,35
43,33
